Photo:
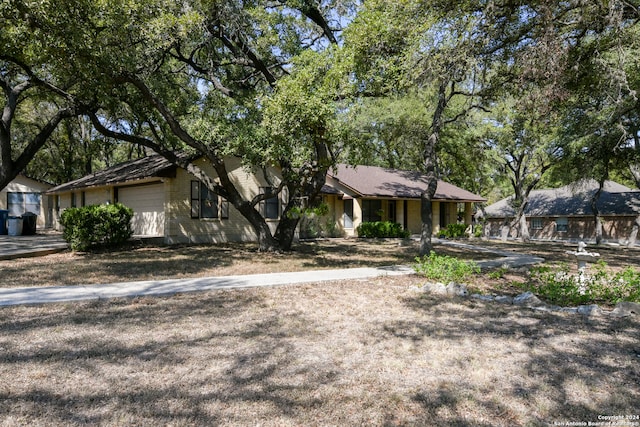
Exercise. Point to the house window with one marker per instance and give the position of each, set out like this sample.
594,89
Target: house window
348,213
392,211
207,204
562,224
270,207
73,200
20,203
536,223
371,210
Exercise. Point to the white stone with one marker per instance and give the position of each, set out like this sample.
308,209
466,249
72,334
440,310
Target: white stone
527,298
589,310
504,299
487,298
625,309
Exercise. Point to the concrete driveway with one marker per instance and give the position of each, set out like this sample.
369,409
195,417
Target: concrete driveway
42,243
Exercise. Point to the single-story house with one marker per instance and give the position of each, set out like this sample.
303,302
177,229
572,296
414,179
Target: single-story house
25,194
565,213
357,194
169,202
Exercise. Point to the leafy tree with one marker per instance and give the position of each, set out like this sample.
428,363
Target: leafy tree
446,52
197,77
528,147
38,104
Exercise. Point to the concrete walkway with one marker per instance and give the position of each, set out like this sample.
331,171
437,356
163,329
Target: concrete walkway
42,243
40,295
508,259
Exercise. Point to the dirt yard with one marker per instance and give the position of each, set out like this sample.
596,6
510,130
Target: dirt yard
376,352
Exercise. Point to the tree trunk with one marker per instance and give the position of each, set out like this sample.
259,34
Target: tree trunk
429,159
634,233
426,213
596,213
524,229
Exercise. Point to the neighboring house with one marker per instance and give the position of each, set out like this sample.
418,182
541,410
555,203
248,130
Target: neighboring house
565,213
368,193
168,202
24,195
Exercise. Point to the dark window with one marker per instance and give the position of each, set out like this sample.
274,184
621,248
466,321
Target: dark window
73,200
371,210
348,213
207,204
536,223
270,207
392,211
562,224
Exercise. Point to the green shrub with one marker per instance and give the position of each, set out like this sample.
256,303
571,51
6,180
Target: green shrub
559,286
96,225
443,268
382,229
454,231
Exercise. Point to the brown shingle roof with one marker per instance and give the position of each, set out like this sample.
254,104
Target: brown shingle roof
373,181
146,167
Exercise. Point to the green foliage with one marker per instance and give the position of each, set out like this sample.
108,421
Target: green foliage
96,225
454,231
444,268
382,229
559,286
498,274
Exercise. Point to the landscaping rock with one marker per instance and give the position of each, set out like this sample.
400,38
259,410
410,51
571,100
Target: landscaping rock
504,299
486,298
529,299
456,289
626,309
452,289
589,310
435,288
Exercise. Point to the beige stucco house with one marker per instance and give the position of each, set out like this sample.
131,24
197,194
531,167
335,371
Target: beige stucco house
357,194
23,195
170,203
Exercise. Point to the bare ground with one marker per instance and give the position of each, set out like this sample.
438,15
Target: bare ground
347,353
373,352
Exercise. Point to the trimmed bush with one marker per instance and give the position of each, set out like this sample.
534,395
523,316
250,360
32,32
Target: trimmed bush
381,229
443,268
96,225
454,231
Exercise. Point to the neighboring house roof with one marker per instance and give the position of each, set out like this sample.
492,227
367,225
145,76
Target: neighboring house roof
373,181
573,200
134,170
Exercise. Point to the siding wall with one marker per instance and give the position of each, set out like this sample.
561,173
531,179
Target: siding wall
181,228
22,184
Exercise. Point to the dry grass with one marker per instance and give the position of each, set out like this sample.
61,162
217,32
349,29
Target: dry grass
347,353
374,352
146,262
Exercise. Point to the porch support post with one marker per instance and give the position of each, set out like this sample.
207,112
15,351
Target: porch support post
468,213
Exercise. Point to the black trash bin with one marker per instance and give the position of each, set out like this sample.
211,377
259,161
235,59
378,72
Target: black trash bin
29,220
4,215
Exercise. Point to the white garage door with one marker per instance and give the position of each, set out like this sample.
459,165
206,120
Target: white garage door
147,202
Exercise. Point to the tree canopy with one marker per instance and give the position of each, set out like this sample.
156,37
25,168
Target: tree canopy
449,88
